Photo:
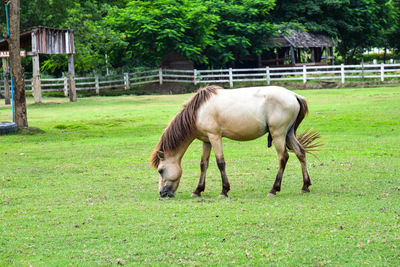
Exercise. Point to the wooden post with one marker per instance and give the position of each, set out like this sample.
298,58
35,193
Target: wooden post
268,76
342,72
382,72
36,86
71,78
362,69
97,84
126,81
331,55
160,75
195,76
6,74
230,78
304,74
292,54
313,56
65,85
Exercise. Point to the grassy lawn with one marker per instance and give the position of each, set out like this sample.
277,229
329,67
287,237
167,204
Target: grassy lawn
80,191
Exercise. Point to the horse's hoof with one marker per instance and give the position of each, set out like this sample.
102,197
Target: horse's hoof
305,191
223,196
195,195
271,194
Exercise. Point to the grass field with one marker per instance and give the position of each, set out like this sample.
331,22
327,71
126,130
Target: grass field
78,189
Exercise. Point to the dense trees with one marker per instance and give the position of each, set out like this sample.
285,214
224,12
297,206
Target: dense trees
211,33
353,24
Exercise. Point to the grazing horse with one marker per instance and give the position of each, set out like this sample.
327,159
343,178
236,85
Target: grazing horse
238,114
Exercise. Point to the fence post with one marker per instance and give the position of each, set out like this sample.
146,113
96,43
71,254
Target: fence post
230,78
268,76
382,72
304,73
97,84
126,81
71,78
362,69
160,77
36,86
195,76
65,86
342,72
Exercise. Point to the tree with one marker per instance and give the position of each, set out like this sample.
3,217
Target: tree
93,38
215,33
15,61
151,29
393,32
355,24
243,28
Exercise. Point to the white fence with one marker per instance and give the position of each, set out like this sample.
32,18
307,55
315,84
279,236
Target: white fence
303,73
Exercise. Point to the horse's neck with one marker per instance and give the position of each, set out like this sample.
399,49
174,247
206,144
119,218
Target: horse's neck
178,154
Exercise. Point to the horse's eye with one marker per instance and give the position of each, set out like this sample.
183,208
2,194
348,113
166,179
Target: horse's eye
160,171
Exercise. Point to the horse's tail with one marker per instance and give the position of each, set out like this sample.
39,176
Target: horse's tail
308,139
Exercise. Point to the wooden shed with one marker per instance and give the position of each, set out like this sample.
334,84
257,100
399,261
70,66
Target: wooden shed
44,40
176,61
299,48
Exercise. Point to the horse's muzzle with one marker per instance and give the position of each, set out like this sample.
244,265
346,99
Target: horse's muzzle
165,192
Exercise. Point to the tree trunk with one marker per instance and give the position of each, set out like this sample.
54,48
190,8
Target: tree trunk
351,57
6,80
15,61
384,56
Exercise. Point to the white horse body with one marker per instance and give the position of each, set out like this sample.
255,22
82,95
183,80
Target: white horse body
238,114
247,113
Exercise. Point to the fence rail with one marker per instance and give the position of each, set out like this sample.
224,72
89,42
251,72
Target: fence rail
303,73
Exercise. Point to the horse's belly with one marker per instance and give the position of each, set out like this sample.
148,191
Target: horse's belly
243,131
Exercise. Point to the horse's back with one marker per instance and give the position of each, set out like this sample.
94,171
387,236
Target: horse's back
246,113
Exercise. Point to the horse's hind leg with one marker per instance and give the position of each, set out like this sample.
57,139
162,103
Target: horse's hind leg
205,157
283,156
216,142
301,155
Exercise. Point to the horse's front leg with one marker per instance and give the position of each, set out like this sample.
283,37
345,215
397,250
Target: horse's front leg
205,158
216,142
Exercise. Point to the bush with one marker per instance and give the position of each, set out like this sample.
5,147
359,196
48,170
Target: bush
379,57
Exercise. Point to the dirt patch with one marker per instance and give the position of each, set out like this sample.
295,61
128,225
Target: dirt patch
166,89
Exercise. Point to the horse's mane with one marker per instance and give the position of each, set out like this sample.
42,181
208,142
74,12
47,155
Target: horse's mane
183,125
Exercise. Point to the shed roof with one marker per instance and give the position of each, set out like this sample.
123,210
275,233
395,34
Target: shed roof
45,40
302,39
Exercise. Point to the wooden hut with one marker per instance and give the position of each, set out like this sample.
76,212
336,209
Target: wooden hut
44,40
295,48
176,61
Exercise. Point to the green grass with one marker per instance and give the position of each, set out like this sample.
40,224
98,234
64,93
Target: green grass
78,189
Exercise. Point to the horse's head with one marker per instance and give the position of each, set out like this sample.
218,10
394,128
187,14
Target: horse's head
170,172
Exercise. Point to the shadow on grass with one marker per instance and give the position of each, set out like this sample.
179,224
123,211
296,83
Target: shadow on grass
29,131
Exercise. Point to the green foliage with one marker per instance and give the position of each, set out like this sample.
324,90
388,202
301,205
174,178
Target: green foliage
368,58
213,34
243,29
354,24
80,191
206,32
50,13
152,29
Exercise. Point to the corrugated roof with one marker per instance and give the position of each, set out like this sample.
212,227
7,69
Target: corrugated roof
302,39
45,40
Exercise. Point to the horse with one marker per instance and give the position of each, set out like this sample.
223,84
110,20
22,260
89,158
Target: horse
239,114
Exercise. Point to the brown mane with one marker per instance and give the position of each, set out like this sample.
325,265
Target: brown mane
183,125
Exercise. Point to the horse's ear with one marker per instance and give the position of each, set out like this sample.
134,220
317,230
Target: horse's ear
160,155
